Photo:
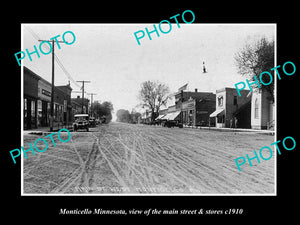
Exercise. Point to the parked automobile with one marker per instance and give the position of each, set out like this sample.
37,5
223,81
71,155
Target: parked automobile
81,122
202,124
172,123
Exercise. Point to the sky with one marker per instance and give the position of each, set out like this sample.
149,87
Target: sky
109,56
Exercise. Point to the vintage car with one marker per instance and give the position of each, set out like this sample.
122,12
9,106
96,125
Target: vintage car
81,122
172,123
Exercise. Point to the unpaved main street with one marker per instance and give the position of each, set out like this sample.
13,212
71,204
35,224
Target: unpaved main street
131,158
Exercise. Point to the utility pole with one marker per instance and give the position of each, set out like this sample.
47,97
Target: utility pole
83,81
92,94
52,85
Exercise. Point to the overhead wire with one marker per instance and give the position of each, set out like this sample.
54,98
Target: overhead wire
56,58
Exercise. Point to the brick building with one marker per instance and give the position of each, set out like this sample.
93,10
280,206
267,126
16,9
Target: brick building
195,107
62,104
43,102
30,99
79,105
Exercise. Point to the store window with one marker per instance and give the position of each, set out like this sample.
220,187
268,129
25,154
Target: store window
221,119
55,111
32,108
65,105
33,114
39,107
25,107
220,101
234,100
256,109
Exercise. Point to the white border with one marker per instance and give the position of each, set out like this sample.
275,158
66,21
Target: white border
275,99
175,194
22,113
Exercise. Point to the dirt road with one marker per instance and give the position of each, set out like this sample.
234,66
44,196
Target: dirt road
129,158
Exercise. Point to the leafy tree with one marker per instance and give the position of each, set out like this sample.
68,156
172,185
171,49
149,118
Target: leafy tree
123,116
135,116
103,110
256,58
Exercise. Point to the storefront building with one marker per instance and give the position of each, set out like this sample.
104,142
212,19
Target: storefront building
37,101
30,99
80,105
232,110
172,114
62,104
44,99
195,107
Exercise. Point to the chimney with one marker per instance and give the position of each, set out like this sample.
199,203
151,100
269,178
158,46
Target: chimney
196,90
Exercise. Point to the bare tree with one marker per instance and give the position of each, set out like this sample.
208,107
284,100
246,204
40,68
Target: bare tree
153,95
256,58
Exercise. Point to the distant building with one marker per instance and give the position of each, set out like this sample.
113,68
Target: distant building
62,106
79,105
146,117
195,107
232,110
172,113
76,107
163,112
262,110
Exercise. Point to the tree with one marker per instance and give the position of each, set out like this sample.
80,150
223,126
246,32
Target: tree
96,106
103,110
107,107
107,111
135,116
123,116
153,95
256,58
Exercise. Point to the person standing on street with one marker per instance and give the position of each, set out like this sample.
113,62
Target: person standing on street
235,122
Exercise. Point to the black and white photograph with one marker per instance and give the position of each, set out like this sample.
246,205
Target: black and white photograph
175,109
149,111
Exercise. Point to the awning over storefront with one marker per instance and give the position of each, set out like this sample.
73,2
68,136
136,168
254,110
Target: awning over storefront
166,116
160,117
172,115
217,112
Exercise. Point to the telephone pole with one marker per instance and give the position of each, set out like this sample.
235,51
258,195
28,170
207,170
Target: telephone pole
92,94
83,81
52,85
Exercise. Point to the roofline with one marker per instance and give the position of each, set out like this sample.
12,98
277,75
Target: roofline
229,88
40,78
203,92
